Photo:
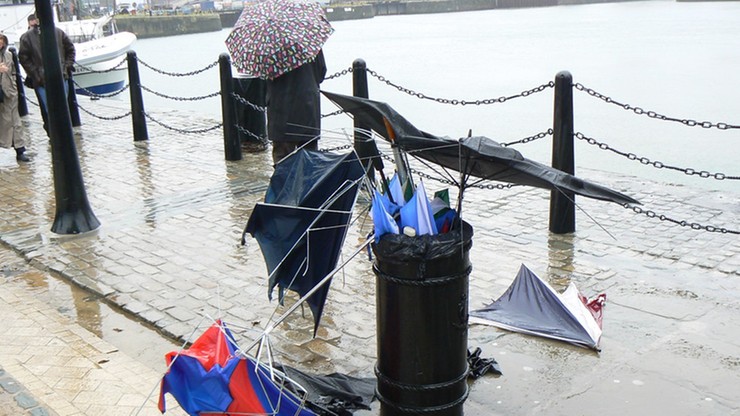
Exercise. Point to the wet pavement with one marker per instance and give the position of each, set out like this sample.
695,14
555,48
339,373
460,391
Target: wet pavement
168,253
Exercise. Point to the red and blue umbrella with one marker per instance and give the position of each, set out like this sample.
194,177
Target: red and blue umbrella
272,37
211,378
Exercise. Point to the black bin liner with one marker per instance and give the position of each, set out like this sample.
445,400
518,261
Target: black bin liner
422,322
254,121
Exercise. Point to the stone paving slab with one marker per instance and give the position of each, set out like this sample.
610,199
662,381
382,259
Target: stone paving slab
51,366
168,251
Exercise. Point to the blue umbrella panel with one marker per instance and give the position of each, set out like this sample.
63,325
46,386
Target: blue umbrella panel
302,224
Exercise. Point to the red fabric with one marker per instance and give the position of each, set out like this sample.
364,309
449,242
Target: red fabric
209,349
596,307
244,394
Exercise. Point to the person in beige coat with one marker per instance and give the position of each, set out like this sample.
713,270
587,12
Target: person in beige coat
11,132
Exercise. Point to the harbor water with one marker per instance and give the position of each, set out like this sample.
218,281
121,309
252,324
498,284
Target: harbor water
169,255
674,58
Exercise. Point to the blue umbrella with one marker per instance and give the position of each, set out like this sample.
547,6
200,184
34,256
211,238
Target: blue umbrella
303,222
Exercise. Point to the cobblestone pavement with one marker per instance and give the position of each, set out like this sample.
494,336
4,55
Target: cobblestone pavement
168,252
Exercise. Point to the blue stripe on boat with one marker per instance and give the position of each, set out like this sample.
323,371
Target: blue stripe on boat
101,89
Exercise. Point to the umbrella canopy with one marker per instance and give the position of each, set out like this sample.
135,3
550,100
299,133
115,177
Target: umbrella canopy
302,224
272,37
210,378
531,306
474,156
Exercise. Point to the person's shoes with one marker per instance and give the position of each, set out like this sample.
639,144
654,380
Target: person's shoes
22,158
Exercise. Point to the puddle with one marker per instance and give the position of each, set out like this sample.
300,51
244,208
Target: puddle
128,335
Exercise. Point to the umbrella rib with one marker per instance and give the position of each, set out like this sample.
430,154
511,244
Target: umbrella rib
313,290
443,173
572,200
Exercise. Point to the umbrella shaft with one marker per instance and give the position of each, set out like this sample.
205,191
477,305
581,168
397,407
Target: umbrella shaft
305,297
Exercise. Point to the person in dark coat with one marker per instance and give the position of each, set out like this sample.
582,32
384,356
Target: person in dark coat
294,109
29,55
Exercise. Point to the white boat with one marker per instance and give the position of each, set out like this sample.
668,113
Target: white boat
100,49
100,54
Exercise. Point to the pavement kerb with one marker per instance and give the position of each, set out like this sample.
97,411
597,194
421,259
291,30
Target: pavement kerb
54,367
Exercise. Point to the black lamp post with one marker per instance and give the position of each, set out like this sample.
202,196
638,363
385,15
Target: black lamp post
73,212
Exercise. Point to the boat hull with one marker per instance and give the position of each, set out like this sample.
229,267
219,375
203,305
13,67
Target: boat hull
101,66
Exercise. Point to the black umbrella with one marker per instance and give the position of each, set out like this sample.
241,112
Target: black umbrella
478,156
303,222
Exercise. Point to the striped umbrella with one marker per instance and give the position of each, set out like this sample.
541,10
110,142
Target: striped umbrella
273,37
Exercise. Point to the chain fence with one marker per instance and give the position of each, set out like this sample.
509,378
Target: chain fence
178,74
183,131
169,97
682,223
529,139
485,101
96,96
243,101
104,71
656,164
655,115
263,141
107,118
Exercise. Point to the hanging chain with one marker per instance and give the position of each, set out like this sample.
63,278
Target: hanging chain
178,74
262,140
95,95
462,102
653,114
682,223
337,148
656,164
103,117
115,68
249,104
29,100
336,113
339,74
537,136
202,97
196,131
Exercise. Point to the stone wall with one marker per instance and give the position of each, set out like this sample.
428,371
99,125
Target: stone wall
364,11
156,26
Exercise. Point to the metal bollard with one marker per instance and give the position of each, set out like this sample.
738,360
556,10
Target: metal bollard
232,147
422,322
22,104
562,204
365,146
138,115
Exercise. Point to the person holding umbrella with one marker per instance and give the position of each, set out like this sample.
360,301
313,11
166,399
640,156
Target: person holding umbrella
281,41
294,108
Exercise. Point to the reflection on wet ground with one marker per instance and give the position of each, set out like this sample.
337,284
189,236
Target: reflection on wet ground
90,312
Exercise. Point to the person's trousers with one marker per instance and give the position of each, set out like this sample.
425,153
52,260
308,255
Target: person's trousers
41,96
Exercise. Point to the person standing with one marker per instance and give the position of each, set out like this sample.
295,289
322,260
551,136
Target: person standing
11,132
294,108
29,54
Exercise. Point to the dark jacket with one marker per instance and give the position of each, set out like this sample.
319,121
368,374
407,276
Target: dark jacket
29,55
293,103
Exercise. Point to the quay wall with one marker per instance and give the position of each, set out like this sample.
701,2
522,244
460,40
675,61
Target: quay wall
156,26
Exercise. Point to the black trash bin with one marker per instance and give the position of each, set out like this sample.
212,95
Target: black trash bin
422,322
252,121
